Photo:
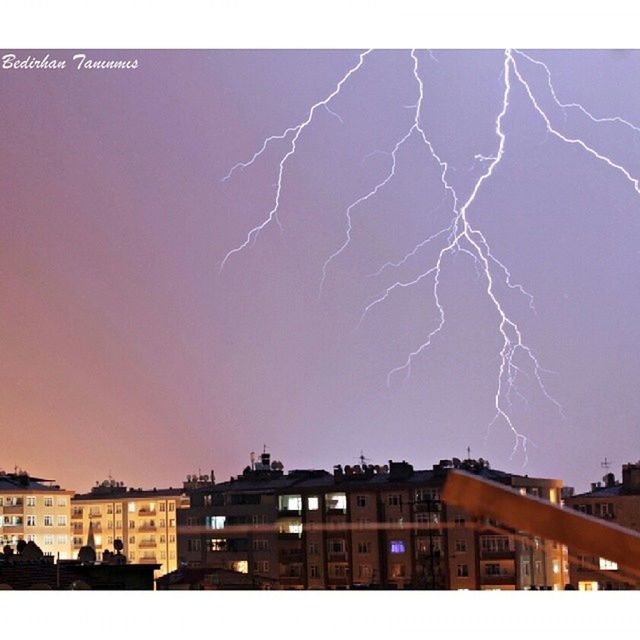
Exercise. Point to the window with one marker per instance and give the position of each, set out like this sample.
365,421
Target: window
314,571
607,565
172,522
492,569
364,571
260,544
31,521
396,546
214,522
461,546
163,505
62,501
361,501
496,544
339,570
163,523
207,501
459,521
362,523
393,500
110,540
364,547
313,503
132,524
132,539
110,524
172,538
48,540
77,542
172,554
336,502
62,521
118,508
336,546
313,549
48,521
131,507
109,509
193,544
534,491
258,519
538,566
463,571
526,568
118,524
48,501
290,503
172,505
216,544
427,495
62,539
163,555
31,501
163,539
397,571
132,555
262,566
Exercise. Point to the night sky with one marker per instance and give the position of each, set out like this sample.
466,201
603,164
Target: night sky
125,350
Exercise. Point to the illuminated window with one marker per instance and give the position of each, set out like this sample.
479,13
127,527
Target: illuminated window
48,540
98,540
587,585
555,566
313,503
397,571
607,565
132,507
241,566
217,544
396,546
216,522
290,503
336,502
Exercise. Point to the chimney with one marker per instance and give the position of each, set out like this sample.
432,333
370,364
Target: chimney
631,477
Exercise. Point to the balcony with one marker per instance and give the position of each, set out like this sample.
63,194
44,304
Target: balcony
147,527
503,554
146,513
13,509
499,580
148,560
290,580
287,513
147,544
285,535
338,581
291,555
76,515
338,556
331,511
95,514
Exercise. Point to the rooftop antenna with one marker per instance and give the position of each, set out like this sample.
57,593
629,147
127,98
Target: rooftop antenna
605,464
362,458
469,453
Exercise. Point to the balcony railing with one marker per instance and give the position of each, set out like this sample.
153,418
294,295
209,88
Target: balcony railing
337,556
95,514
333,511
147,527
502,554
146,512
147,543
291,555
498,580
13,508
76,515
148,560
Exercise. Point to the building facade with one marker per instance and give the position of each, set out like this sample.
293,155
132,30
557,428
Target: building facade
617,502
364,527
34,509
144,520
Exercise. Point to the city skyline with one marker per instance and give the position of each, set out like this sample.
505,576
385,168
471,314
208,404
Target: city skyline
129,351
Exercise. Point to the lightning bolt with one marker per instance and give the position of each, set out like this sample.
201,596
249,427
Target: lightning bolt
295,133
459,235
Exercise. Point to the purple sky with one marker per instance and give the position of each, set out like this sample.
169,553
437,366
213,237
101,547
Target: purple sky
126,351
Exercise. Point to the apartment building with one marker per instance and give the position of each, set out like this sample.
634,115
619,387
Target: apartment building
35,509
365,527
144,520
617,502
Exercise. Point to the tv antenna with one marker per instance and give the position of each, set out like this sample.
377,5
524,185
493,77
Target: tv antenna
605,464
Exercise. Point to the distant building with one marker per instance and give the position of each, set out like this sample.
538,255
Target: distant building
36,510
617,502
364,527
145,521
210,579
